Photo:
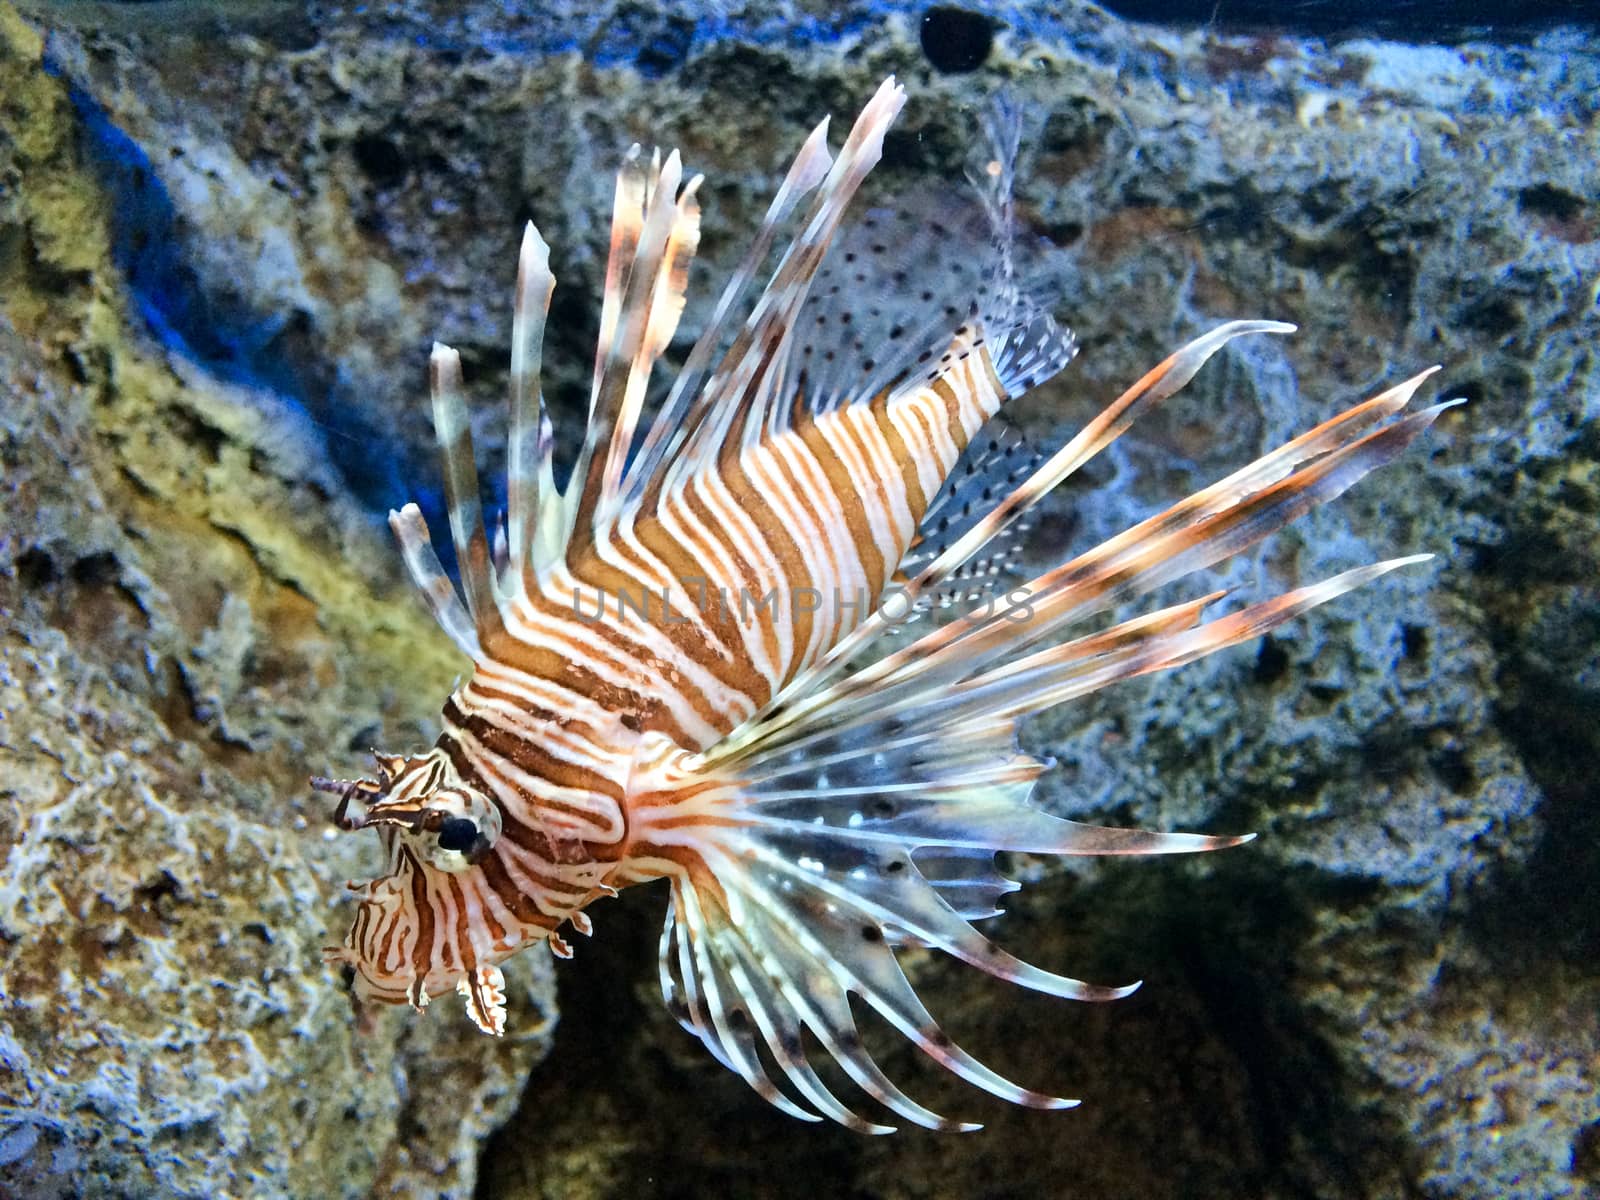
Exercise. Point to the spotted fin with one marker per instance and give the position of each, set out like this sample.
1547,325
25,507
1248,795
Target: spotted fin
992,467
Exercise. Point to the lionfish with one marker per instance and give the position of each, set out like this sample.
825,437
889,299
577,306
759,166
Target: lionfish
687,665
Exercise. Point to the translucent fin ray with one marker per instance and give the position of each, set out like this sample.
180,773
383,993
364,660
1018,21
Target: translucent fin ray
793,943
529,477
656,227
440,595
454,433
687,402
739,390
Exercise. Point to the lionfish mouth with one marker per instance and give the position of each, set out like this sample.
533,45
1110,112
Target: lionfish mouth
828,791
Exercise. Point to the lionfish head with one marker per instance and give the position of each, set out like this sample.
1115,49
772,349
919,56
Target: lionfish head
436,827
426,807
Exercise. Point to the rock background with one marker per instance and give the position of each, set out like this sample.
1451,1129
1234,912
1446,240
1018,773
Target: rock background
226,237
194,617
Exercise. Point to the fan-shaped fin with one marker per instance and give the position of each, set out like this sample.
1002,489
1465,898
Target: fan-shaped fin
738,393
809,869
687,402
779,941
993,466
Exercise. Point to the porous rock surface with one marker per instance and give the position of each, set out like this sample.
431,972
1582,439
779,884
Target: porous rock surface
192,618
1392,991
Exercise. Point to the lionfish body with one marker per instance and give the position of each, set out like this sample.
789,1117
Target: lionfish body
683,666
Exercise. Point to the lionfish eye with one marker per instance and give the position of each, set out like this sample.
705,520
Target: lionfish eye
458,834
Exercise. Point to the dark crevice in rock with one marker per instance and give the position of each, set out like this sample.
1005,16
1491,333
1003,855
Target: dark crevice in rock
1547,200
1234,212
956,40
36,568
1536,585
1454,770
1234,955
1555,726
1272,662
155,903
1414,642
665,48
1071,141
1526,554
1363,249
1223,954
1495,316
1586,1154
379,159
754,75
95,570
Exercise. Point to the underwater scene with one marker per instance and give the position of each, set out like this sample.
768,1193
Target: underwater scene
877,600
